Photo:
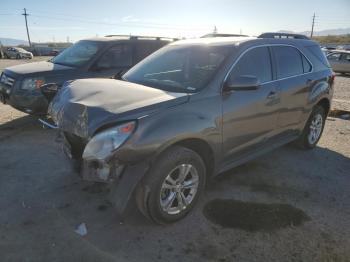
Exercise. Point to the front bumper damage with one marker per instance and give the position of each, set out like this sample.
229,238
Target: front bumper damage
122,178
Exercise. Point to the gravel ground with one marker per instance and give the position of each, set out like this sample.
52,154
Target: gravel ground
11,62
289,205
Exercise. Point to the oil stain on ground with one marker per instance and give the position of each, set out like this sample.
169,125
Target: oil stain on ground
252,216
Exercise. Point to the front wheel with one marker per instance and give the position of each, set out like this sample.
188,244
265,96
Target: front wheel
172,186
314,127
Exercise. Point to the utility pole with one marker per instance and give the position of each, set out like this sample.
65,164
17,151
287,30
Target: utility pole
25,18
313,24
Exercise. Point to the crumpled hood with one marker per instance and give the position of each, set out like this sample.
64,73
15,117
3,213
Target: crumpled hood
83,106
37,67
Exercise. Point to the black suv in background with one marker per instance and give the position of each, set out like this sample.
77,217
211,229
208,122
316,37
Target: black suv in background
101,57
190,111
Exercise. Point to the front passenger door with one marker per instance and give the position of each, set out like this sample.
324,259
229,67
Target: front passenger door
250,116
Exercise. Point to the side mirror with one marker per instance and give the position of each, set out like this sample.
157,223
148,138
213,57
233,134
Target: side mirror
242,83
49,90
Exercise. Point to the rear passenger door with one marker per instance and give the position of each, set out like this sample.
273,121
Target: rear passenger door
294,81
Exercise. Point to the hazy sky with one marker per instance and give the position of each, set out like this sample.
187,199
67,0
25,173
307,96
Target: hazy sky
56,20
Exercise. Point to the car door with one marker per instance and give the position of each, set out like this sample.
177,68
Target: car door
333,59
294,80
250,116
116,59
344,63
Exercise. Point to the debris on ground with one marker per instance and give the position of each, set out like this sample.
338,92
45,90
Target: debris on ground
81,229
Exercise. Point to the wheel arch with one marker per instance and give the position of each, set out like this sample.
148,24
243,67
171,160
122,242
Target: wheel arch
325,103
201,147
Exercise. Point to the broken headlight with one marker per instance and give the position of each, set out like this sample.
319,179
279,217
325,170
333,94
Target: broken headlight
104,143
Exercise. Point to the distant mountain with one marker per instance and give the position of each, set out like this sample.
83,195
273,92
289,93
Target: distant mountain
12,42
339,31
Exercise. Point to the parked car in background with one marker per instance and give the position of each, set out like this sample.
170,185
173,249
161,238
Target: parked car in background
190,111
17,52
340,61
54,52
102,57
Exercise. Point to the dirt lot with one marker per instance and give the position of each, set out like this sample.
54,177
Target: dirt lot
289,205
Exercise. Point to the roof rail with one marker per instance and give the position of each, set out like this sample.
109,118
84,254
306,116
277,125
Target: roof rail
144,37
221,35
283,35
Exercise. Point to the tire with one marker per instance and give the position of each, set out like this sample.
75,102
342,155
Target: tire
310,136
18,56
158,195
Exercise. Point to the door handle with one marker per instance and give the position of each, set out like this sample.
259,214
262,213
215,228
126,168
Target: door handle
272,95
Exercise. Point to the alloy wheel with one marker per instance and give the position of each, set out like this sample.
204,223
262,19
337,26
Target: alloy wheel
179,189
315,128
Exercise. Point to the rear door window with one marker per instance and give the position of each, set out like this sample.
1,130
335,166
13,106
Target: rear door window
255,62
288,61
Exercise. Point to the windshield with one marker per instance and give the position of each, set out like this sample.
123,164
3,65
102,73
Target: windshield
78,54
179,68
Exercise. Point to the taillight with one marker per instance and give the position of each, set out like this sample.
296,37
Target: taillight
333,77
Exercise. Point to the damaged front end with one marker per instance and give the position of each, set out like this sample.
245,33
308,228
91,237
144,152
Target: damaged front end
97,162
96,155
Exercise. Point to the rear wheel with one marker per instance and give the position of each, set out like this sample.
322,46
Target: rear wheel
172,186
313,129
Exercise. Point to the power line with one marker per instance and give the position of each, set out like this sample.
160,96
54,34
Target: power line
121,24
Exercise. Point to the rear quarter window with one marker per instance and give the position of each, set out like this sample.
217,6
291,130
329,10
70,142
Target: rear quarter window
317,58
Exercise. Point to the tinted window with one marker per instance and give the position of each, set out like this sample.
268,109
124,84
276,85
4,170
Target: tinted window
255,62
143,49
116,56
306,64
334,56
288,61
317,57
